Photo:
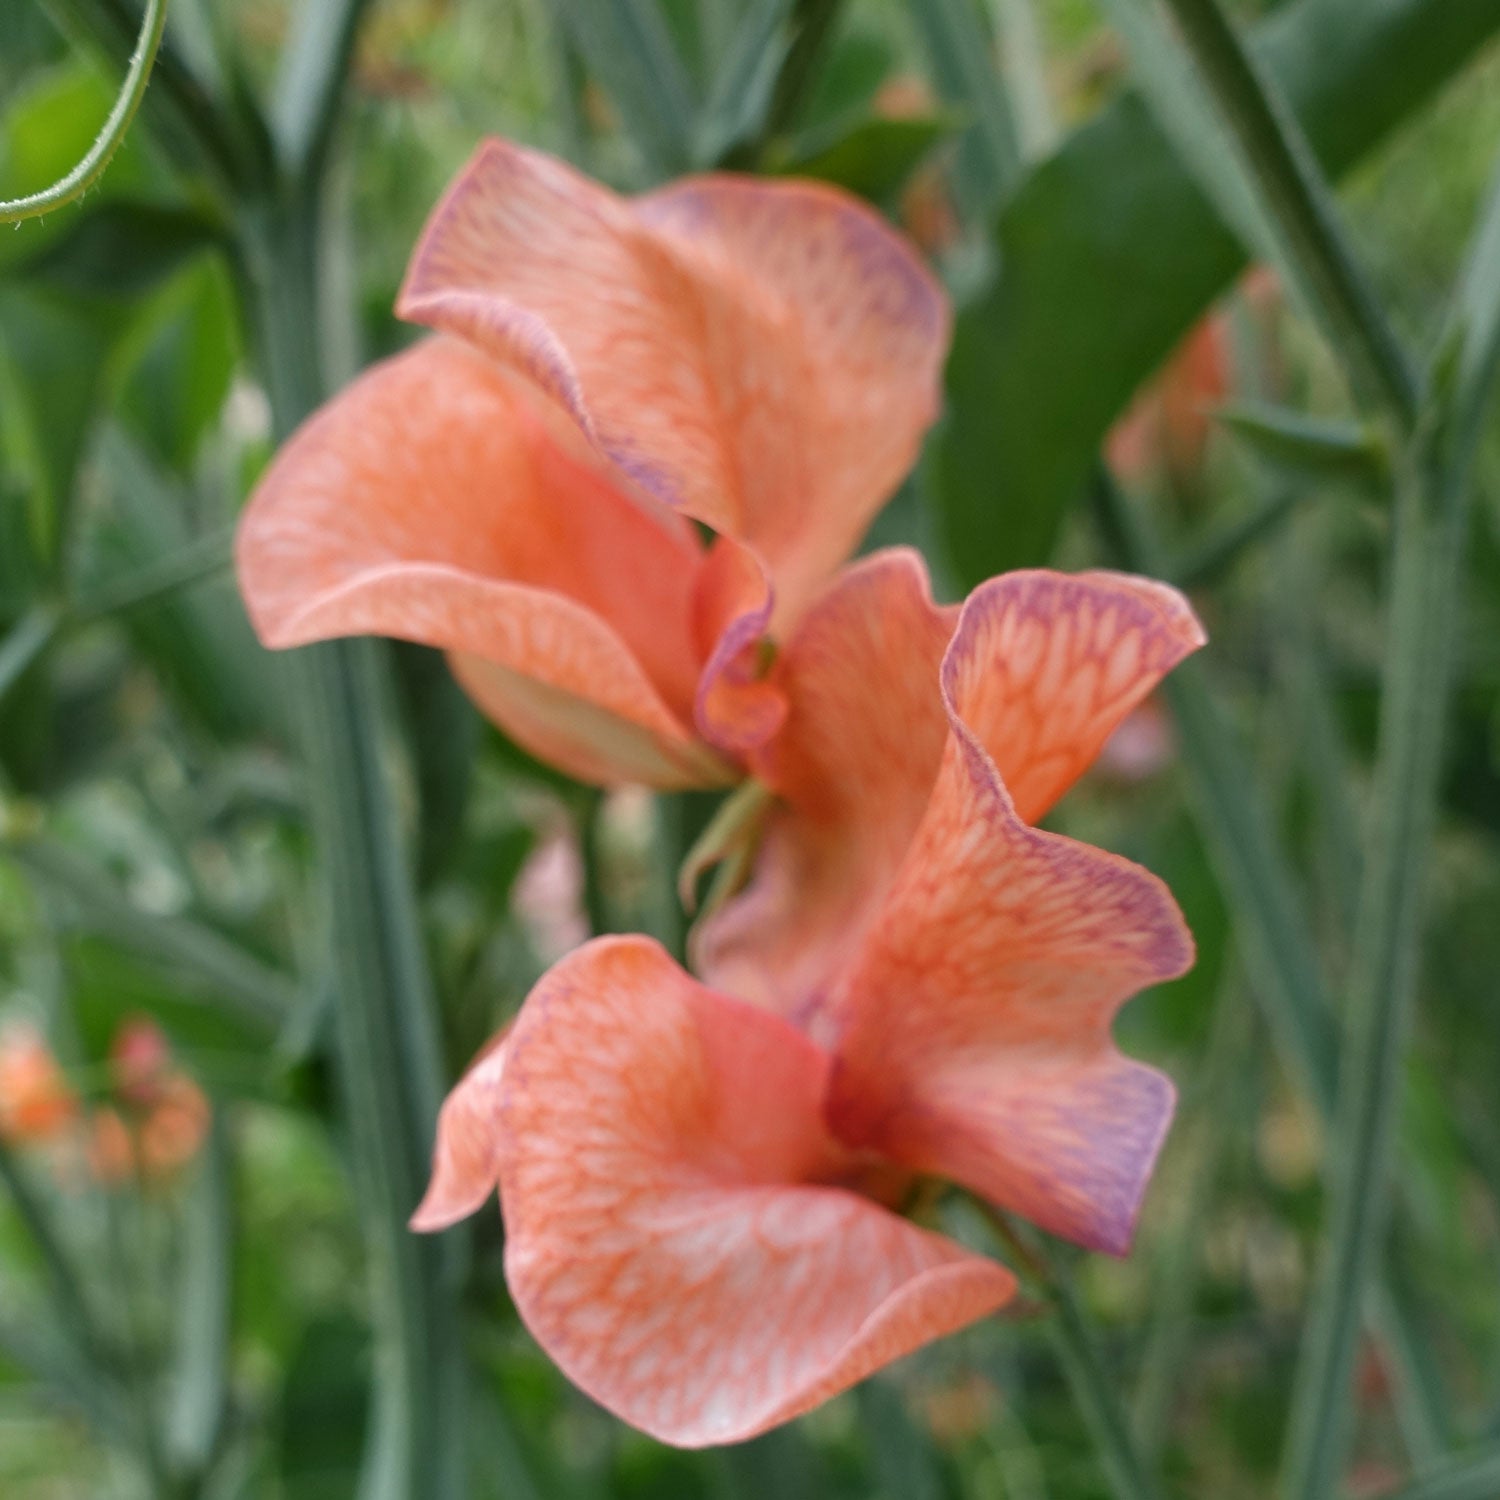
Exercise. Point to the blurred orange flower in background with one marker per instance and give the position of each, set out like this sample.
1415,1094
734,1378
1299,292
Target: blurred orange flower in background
160,1118
37,1104
152,1125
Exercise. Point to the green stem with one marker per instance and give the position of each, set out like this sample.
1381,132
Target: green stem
389,1073
1473,1477
1431,523
67,1289
95,163
1281,163
1217,1113
222,140
1094,1388
388,1046
591,850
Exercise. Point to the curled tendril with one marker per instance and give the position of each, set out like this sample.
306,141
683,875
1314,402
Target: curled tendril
93,165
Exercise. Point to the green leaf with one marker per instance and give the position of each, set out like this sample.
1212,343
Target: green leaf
744,81
52,377
24,643
1476,1476
873,158
629,49
1308,448
965,69
902,1456
177,363
321,1431
197,640
199,1380
258,995
1294,219
1109,253
121,248
392,1069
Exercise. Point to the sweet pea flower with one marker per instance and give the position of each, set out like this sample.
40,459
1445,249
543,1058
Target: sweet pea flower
702,1181
521,489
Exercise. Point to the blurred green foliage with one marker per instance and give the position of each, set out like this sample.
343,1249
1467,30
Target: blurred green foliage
156,852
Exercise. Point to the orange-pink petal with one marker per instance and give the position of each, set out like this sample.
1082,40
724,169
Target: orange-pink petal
853,767
672,1240
466,1158
1051,665
974,1032
762,355
436,500
737,709
1054,662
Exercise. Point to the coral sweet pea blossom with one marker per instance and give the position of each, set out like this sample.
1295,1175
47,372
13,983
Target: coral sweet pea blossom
701,1182
759,357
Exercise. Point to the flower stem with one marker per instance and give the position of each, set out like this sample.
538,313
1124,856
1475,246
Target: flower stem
1094,1389
1280,162
1431,525
386,1025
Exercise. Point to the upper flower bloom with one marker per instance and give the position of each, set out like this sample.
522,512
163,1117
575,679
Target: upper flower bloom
760,357
700,1181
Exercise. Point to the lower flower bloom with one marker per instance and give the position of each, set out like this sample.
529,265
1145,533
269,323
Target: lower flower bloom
701,1182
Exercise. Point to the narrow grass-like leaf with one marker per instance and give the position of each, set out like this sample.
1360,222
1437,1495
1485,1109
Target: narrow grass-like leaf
390,1073
1207,560
258,995
73,1310
629,49
198,1390
1023,63
1476,1476
967,75
1297,206
203,558
740,98
1096,1391
25,642
1311,448
1215,1110
310,85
